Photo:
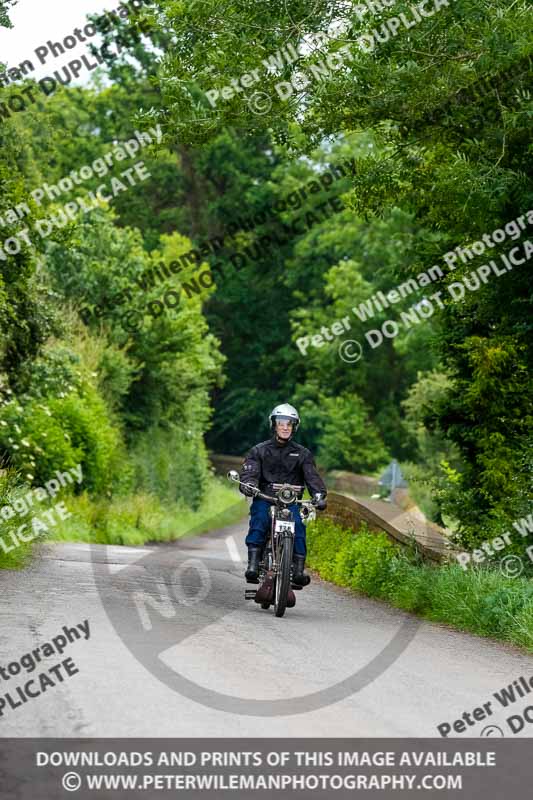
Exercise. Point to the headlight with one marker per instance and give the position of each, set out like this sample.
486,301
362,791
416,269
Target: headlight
287,495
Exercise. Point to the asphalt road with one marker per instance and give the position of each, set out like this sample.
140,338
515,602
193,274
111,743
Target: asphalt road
172,640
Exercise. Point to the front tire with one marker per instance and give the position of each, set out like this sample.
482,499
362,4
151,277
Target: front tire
283,578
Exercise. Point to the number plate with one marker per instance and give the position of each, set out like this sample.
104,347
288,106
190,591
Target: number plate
283,526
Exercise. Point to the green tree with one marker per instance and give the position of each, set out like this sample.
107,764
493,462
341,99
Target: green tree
460,172
165,369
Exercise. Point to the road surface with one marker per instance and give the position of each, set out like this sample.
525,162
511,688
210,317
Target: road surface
225,646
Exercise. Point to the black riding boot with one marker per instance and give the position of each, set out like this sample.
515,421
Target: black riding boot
254,557
299,577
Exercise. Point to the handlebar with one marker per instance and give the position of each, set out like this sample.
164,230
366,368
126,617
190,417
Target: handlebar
234,476
258,493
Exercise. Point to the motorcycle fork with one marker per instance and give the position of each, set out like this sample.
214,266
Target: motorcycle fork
271,545
276,540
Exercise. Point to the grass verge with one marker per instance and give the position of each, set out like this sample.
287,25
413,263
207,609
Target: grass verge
142,518
14,552
481,601
130,520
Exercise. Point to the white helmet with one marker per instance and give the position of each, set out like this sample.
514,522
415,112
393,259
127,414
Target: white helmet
284,412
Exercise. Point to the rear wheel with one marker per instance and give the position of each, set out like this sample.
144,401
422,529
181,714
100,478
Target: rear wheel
283,578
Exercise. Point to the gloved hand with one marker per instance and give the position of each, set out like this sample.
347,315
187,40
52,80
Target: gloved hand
320,502
248,491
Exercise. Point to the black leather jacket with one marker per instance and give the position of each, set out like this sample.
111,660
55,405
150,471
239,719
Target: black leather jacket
287,462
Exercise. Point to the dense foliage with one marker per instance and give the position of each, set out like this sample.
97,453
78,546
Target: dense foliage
432,130
445,105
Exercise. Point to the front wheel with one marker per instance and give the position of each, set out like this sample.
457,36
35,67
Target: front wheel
283,577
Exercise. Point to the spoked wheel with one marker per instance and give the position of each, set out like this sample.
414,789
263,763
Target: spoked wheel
283,578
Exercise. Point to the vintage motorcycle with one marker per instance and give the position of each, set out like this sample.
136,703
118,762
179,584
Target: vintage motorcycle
275,567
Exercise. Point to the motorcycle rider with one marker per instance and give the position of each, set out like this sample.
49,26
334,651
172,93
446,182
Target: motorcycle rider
280,460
